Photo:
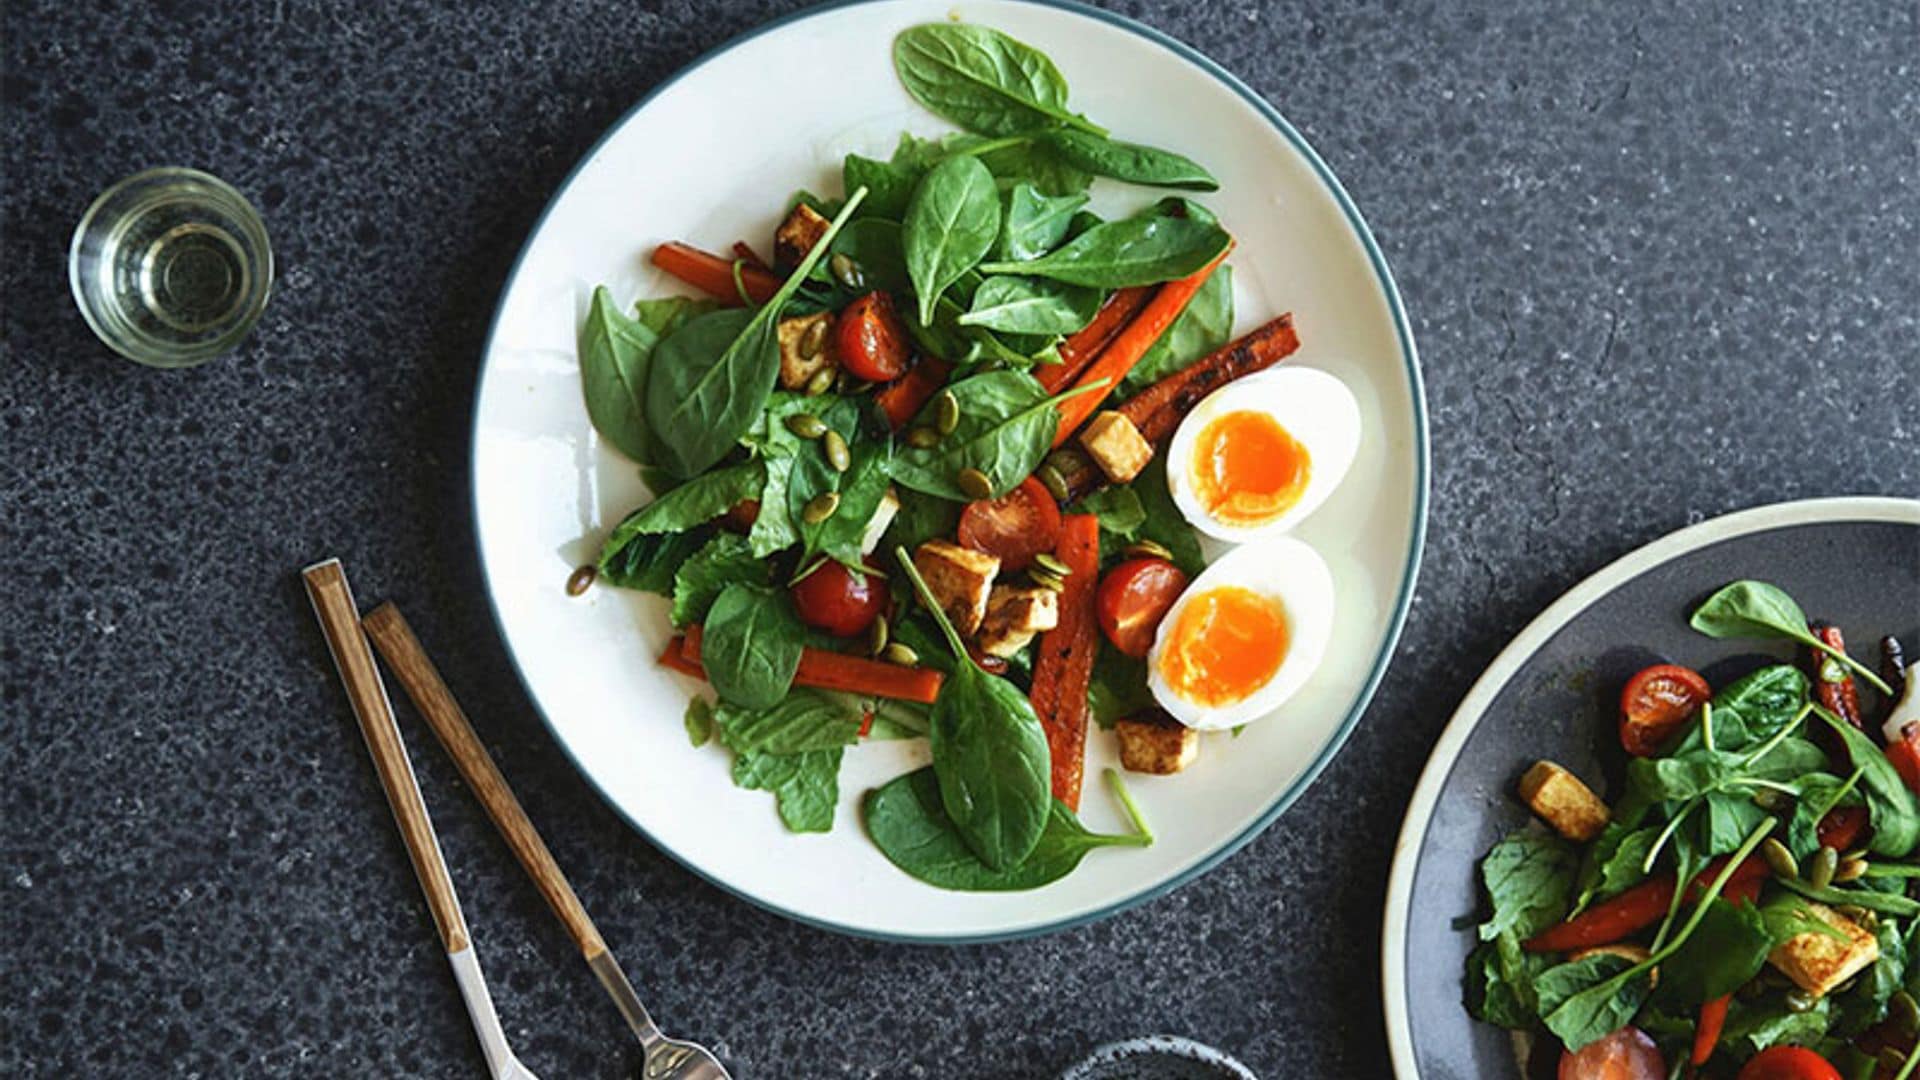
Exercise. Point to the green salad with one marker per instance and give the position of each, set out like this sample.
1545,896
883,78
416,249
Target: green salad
1741,906
893,458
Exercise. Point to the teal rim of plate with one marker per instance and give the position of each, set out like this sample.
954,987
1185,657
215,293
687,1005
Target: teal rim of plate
1423,468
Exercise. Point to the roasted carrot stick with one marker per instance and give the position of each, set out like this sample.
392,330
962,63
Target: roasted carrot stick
824,669
674,660
745,253
1081,346
713,274
1158,409
1713,1020
902,398
1064,666
1128,346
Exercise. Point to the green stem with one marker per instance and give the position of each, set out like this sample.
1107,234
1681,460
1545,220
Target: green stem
989,146
1706,725
1139,820
933,606
1755,781
1653,853
1778,736
1858,668
1913,1059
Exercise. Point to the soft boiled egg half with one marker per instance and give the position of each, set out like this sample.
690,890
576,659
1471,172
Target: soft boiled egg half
1244,636
1262,452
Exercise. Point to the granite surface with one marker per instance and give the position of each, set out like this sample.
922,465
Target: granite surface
1661,265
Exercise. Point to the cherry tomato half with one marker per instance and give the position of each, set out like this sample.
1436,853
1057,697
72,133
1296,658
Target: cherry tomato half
1627,1054
870,339
1016,526
1788,1063
1658,702
839,601
1133,598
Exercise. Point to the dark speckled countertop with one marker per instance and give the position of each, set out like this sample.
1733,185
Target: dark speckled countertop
1661,265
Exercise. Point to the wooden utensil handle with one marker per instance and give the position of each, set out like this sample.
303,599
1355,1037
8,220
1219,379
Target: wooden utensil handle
423,684
340,622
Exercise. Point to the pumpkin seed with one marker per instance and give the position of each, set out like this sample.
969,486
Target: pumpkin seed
900,653
814,341
946,413
877,636
922,438
1850,870
1069,461
820,507
975,484
1785,867
846,271
1851,911
1800,1001
821,382
1055,484
1891,1057
1771,800
1856,853
581,580
1147,549
1905,1011
806,425
1825,862
1046,580
837,454
1869,921
1046,561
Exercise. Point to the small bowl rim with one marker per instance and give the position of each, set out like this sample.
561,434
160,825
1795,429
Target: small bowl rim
1175,1047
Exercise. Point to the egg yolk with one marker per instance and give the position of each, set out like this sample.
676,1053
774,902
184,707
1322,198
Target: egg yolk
1226,643
1247,469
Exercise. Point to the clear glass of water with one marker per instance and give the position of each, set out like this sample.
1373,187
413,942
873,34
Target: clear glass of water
171,267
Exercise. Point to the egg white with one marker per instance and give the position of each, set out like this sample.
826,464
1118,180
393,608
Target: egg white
1314,407
1280,568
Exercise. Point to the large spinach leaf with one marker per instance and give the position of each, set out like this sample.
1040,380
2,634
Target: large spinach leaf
711,378
640,546
889,185
1035,222
1206,325
982,80
1132,251
1130,162
1755,609
1529,880
950,226
1007,423
1752,709
1729,946
1024,305
803,720
909,824
989,753
751,646
615,354
1891,807
649,561
724,560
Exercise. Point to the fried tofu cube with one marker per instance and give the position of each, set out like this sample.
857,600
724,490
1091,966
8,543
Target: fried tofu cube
1116,446
960,580
796,236
804,350
1632,954
1153,742
1563,802
1817,962
1014,615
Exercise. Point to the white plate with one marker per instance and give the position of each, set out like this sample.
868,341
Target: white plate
710,158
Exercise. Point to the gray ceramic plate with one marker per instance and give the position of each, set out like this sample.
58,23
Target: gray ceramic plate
1552,693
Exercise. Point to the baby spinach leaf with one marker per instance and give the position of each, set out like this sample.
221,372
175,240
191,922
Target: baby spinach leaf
1035,223
646,548
1819,793
615,352
1035,162
874,243
801,721
1891,807
1204,326
773,528
951,223
805,786
1131,251
1755,1024
861,488
1755,609
1119,510
1615,862
889,185
982,80
1587,999
1501,977
699,721
751,646
989,753
1529,879
1130,162
921,517
712,377
724,560
1165,524
909,824
648,561
1729,947
1025,305
1006,427
1119,686
1751,710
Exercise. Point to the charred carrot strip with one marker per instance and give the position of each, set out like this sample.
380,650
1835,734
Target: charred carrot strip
1158,409
1128,346
745,253
1636,909
824,669
713,274
903,398
1713,1014
1065,665
1840,697
1081,346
